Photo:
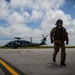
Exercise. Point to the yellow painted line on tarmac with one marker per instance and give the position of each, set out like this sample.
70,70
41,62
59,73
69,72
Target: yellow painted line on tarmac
8,68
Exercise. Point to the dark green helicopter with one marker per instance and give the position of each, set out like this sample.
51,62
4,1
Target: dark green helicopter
24,43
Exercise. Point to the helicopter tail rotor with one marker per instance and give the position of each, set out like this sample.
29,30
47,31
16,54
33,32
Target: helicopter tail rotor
44,37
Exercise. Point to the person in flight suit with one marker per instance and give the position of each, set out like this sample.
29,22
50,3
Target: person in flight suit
58,36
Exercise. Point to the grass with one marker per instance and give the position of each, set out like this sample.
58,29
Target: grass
32,47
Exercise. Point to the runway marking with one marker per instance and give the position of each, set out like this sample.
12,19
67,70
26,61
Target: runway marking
9,69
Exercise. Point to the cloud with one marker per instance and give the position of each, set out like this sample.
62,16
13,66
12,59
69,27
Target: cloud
20,13
16,17
4,12
52,16
15,30
26,15
35,15
37,4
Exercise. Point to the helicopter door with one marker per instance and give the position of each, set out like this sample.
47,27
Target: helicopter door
14,45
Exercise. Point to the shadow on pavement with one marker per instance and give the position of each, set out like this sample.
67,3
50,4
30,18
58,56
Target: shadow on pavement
55,66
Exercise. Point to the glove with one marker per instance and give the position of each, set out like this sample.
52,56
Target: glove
51,40
67,42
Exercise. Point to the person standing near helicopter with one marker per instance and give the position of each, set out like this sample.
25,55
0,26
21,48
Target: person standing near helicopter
58,36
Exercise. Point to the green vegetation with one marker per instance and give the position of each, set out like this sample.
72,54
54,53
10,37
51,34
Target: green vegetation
70,46
32,47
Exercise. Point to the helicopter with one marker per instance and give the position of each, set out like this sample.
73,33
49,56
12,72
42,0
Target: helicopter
19,42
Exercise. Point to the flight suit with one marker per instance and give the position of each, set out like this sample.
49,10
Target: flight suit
59,36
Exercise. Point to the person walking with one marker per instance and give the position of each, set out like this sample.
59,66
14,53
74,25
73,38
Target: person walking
58,36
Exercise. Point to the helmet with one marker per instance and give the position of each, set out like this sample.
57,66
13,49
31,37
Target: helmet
59,20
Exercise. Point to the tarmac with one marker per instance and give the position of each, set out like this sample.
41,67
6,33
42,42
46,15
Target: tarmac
35,62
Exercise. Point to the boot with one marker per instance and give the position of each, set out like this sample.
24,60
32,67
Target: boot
54,60
62,64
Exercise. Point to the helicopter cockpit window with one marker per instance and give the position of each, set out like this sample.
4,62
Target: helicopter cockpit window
10,43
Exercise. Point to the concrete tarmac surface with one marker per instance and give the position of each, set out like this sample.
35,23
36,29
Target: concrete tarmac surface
36,61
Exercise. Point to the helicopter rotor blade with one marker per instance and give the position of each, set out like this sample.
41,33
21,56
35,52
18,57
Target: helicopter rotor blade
47,36
17,38
42,35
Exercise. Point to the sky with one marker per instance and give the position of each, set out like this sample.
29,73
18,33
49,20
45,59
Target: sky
32,18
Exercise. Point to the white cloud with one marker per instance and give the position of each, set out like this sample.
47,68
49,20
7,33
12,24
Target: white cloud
47,11
16,17
74,6
4,12
26,15
51,17
15,30
20,30
37,4
36,15
21,3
